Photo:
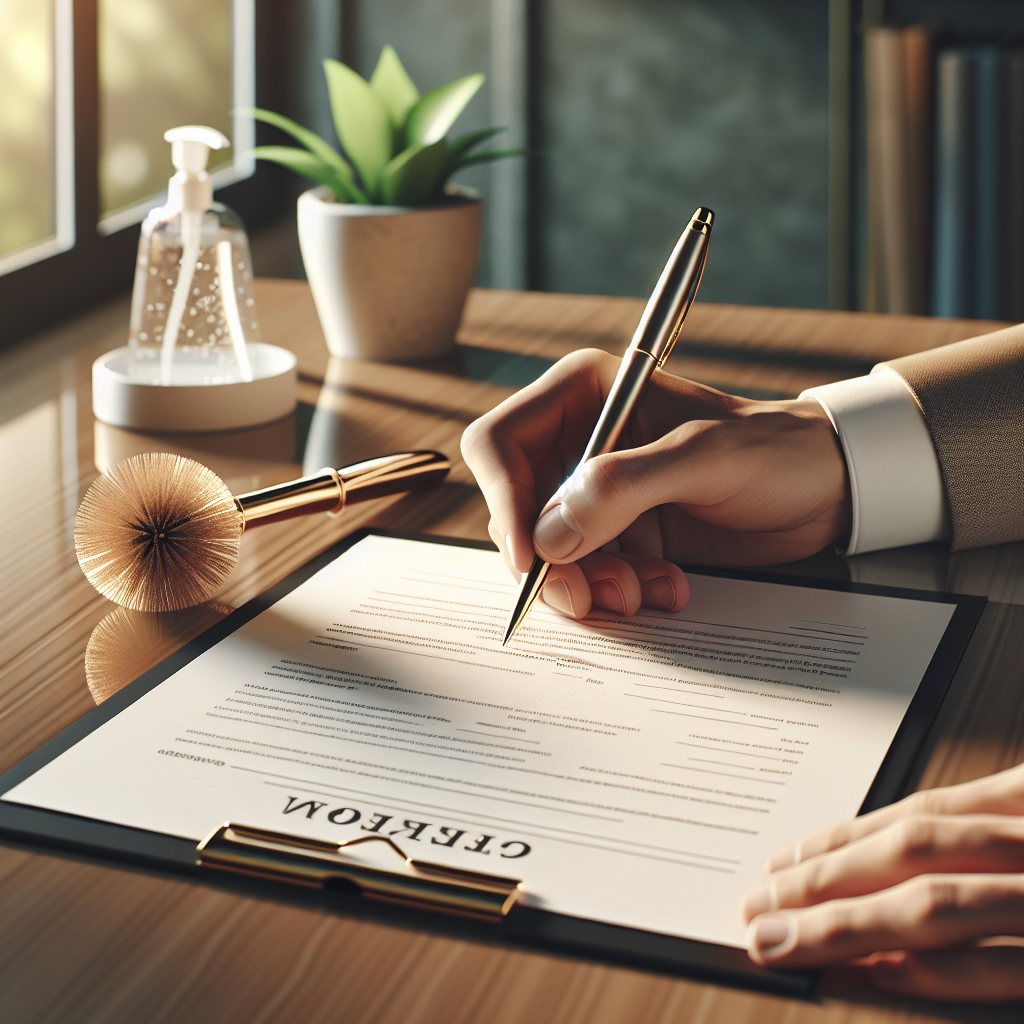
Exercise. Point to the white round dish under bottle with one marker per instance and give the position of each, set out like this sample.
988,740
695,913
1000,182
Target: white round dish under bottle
200,398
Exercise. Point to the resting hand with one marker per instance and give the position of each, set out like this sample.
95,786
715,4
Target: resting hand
921,883
700,477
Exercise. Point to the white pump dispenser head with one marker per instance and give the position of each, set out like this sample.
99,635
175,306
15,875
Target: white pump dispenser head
189,194
191,189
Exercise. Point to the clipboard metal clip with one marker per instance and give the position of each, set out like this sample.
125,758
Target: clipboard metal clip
280,857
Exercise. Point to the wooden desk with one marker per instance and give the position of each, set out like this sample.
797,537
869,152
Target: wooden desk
85,942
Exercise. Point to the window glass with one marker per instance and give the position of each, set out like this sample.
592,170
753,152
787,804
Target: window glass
164,63
28,130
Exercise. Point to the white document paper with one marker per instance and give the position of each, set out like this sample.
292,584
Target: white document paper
636,771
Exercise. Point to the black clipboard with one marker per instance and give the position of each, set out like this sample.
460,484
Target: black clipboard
529,927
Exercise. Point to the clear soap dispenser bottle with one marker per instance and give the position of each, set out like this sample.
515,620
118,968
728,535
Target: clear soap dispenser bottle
193,311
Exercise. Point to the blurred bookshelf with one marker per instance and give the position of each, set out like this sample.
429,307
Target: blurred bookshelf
926,157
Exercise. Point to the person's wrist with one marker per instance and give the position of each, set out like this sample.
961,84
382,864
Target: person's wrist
840,497
811,408
816,455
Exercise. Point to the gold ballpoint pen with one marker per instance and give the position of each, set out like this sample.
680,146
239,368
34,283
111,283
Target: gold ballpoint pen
652,344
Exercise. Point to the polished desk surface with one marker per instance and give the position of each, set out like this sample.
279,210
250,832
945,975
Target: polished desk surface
87,942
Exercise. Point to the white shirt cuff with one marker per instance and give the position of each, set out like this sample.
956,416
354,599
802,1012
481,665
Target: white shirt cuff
895,480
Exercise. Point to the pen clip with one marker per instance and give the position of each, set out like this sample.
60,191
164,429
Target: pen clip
314,863
666,309
689,300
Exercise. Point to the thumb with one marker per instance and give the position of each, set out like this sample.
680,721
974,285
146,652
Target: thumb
600,500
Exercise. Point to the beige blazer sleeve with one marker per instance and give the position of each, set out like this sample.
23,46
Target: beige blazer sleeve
972,397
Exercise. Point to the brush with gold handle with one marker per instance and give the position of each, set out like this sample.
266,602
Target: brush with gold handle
161,532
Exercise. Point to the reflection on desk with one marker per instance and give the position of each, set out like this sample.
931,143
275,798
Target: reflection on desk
127,643
238,457
174,952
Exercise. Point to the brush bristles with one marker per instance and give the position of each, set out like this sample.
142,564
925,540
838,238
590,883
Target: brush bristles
158,533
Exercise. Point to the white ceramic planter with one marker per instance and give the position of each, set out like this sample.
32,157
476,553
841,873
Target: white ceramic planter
389,282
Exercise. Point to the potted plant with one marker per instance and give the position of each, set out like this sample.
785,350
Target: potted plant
390,247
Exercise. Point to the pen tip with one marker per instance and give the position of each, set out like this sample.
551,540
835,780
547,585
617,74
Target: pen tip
529,589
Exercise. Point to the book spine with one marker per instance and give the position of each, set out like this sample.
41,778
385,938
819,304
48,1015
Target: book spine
989,192
953,254
917,61
875,299
1014,182
888,222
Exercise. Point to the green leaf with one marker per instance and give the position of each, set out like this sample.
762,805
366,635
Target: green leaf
308,138
487,156
309,165
454,164
458,149
436,112
317,146
413,178
362,123
464,143
466,160
395,89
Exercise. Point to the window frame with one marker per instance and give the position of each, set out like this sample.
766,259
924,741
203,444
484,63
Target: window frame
63,150
97,267
243,131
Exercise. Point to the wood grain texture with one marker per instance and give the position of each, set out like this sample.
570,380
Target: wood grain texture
556,324
99,944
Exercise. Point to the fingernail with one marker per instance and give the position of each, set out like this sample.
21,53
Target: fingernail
511,553
889,965
658,593
783,857
771,937
557,533
891,971
758,900
608,594
556,594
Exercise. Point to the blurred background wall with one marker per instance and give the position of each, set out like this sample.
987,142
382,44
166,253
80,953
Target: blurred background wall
640,110
635,111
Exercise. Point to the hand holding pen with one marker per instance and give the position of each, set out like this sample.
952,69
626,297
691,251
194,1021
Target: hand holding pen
698,476
652,344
